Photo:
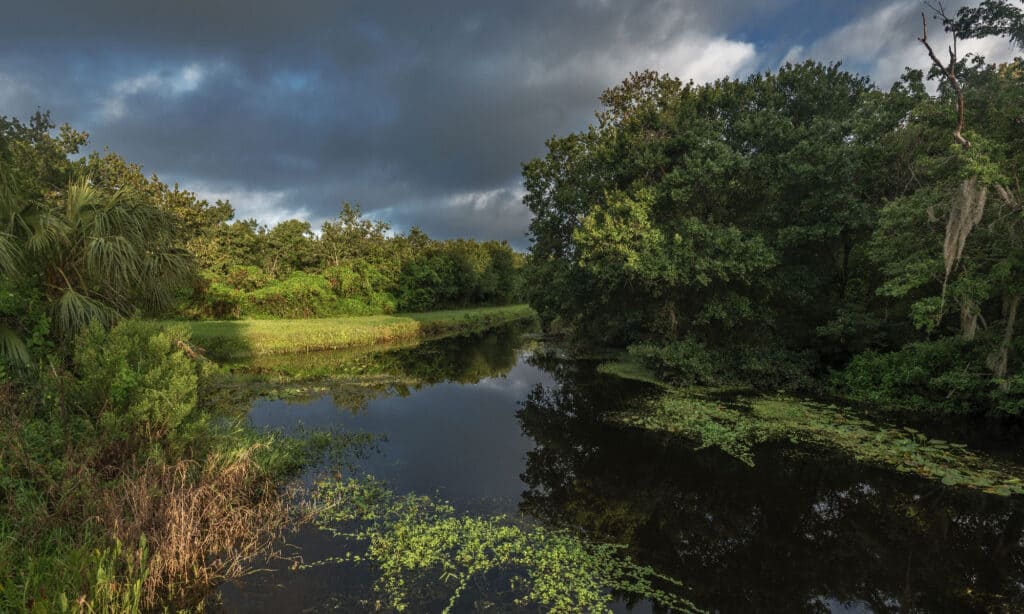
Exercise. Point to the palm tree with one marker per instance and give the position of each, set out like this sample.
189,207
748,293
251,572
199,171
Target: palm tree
12,347
95,255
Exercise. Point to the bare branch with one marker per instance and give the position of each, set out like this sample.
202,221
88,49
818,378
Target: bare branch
950,73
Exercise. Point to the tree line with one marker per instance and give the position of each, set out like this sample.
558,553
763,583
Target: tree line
800,228
91,238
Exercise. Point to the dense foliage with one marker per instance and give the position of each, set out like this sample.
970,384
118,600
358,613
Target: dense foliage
94,239
72,251
122,488
355,266
792,225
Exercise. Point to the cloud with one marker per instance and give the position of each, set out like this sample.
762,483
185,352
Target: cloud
15,94
268,207
422,113
500,211
883,42
159,83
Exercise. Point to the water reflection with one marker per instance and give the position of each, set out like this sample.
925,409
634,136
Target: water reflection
355,377
495,428
796,533
446,411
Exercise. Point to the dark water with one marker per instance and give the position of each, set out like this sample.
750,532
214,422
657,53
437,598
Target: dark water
495,427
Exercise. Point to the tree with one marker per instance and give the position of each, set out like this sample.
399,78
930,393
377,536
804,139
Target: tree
351,236
990,18
101,255
290,246
729,211
981,169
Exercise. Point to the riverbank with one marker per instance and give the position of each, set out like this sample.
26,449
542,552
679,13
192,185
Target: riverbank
231,340
130,491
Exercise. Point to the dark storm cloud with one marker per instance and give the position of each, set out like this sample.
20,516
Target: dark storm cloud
422,112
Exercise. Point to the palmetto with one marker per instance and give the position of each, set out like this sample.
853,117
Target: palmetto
94,255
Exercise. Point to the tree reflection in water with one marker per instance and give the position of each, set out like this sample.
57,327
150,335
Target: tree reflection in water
795,533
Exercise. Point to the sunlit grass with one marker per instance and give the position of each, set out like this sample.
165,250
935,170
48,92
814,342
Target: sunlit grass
238,339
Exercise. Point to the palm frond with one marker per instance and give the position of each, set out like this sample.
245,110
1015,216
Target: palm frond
45,230
73,312
113,258
10,201
13,348
81,197
164,272
10,253
168,264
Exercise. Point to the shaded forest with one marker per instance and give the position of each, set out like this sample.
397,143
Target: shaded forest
800,229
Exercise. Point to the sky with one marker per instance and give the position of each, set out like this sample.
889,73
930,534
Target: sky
420,112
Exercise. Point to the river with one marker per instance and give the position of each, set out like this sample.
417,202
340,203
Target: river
496,423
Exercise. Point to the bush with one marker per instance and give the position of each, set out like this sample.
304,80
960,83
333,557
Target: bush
686,362
118,492
690,362
138,384
214,299
25,328
300,295
947,375
345,281
247,278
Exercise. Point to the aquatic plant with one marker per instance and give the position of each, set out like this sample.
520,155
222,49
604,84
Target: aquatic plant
739,426
415,541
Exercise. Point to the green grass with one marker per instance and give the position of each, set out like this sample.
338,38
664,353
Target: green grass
241,339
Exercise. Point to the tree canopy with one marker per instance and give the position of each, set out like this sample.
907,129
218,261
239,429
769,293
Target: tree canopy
796,227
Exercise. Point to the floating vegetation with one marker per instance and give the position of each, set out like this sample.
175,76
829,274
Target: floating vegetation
417,544
741,424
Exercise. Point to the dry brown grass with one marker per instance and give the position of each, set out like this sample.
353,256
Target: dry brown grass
202,522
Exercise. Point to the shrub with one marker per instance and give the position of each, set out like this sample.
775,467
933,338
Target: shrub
214,299
247,278
687,361
300,295
345,281
137,383
691,362
946,375
118,492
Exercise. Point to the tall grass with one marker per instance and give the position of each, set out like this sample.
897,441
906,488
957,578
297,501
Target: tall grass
205,520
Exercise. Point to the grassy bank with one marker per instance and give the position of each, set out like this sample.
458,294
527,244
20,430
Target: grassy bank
241,339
